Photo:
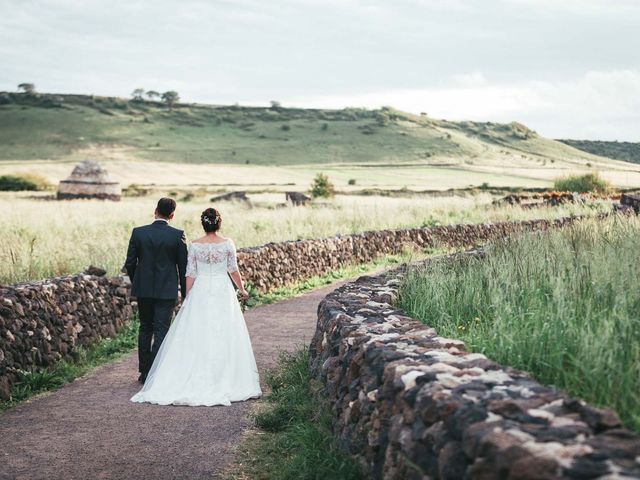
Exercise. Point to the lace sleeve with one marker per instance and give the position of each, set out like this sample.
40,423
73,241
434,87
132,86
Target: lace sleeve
192,263
232,259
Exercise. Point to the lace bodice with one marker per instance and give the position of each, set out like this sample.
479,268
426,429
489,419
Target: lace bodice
209,259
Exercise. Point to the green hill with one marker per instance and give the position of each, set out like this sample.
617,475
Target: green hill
210,144
625,151
53,126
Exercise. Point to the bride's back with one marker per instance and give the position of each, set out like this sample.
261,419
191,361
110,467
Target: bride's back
209,258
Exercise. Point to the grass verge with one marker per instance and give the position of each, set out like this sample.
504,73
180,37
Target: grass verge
562,305
294,440
31,383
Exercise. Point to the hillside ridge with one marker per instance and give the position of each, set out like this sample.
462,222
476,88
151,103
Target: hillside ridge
624,151
59,124
147,142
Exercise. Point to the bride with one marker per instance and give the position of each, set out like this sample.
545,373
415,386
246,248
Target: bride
206,357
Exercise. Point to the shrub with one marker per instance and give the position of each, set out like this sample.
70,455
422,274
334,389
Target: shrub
285,128
322,187
23,182
135,190
589,182
352,181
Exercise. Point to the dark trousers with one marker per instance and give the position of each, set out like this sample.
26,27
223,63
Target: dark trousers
155,320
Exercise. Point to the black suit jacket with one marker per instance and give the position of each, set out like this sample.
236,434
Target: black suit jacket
157,261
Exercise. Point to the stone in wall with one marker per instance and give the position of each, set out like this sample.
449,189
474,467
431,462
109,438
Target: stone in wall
43,322
409,404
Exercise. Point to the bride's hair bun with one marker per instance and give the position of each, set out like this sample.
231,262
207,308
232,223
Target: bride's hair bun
211,220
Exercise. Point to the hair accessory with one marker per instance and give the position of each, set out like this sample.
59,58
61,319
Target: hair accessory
211,221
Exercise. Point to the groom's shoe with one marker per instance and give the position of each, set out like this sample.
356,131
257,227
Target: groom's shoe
142,378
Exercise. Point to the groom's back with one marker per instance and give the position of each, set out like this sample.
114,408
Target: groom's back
156,261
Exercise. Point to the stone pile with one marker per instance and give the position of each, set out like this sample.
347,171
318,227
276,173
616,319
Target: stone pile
297,198
43,322
409,404
232,197
279,264
89,180
632,201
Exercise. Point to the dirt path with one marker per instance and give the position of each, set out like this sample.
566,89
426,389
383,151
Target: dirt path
89,429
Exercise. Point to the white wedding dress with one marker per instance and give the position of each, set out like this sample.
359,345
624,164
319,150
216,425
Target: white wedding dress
206,357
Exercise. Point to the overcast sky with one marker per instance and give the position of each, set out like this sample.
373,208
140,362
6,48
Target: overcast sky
567,68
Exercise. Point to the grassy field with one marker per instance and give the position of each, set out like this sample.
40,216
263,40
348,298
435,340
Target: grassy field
294,440
255,148
44,238
562,305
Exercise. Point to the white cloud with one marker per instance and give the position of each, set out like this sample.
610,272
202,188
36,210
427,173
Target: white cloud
484,59
583,6
603,105
472,79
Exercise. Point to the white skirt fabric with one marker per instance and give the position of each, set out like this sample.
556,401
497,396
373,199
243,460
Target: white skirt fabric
206,358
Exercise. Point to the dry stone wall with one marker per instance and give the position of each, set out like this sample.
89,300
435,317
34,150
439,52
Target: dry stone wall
279,264
409,404
43,322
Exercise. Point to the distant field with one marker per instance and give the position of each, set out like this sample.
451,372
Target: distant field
43,238
252,148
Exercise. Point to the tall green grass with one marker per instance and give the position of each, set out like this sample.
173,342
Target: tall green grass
589,182
563,305
295,440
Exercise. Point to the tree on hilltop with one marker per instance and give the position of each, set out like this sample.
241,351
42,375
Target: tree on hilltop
137,94
28,88
170,98
151,94
275,105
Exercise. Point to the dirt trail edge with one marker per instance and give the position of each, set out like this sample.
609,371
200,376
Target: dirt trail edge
90,430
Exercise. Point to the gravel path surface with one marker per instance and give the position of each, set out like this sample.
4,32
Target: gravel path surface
89,429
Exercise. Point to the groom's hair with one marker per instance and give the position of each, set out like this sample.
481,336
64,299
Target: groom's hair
166,206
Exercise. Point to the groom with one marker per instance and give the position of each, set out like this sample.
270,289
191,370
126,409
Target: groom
156,264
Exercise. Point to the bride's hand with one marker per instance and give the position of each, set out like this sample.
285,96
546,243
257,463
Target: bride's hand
243,294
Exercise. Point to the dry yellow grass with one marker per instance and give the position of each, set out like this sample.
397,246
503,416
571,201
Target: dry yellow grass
414,176
45,238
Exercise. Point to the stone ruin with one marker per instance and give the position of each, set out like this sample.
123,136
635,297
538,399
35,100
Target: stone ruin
631,202
232,197
297,198
89,180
